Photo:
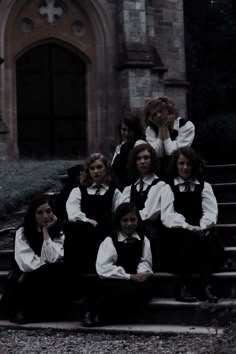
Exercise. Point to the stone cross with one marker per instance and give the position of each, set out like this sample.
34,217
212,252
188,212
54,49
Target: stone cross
52,10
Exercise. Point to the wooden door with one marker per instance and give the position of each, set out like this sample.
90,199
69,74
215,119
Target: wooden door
51,103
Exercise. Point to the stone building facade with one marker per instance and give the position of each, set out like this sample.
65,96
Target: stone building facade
69,68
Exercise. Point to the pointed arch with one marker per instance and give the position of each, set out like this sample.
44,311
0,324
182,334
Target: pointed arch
95,45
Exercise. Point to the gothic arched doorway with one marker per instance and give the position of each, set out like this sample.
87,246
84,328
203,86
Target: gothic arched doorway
51,102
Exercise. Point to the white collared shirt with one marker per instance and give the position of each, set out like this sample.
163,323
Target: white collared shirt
171,218
152,206
73,204
117,152
107,257
27,260
184,138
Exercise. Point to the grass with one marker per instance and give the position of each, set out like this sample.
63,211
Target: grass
21,180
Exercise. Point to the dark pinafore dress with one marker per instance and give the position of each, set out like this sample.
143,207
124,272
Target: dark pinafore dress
82,238
115,297
183,251
151,227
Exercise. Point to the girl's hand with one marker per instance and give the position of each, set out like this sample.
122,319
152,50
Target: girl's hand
140,277
93,222
193,228
51,223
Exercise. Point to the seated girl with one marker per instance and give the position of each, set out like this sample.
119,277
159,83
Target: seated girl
189,212
124,265
165,131
37,282
89,209
145,192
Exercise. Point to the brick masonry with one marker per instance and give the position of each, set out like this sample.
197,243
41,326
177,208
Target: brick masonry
134,50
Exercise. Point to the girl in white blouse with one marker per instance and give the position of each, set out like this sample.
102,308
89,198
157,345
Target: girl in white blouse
146,191
39,273
89,209
189,212
165,131
124,264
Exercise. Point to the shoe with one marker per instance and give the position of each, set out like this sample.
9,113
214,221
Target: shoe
207,294
185,295
91,319
19,318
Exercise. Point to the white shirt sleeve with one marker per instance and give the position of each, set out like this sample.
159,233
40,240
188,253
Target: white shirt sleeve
25,257
116,153
154,141
53,250
145,264
107,257
106,262
209,207
152,206
169,217
73,206
28,261
184,138
125,196
117,199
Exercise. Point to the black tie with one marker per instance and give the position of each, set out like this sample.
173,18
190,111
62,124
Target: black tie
187,187
98,187
141,184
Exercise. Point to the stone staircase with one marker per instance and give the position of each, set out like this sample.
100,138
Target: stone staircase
164,313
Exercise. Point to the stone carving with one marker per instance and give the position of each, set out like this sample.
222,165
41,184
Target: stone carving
52,9
27,25
78,27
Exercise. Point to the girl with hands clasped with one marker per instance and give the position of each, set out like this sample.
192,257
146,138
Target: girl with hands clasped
39,272
189,213
124,266
166,131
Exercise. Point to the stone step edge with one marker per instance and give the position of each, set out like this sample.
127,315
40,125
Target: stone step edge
13,228
230,165
223,184
226,204
10,251
137,329
220,275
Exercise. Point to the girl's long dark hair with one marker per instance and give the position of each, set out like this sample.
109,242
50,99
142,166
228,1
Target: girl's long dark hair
132,167
197,163
31,232
121,211
133,120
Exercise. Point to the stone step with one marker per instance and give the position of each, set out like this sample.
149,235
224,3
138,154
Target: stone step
227,213
6,258
168,311
161,311
221,173
165,283
224,283
225,192
134,329
227,233
3,279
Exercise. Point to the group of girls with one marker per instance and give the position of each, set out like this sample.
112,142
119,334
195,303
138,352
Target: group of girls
123,223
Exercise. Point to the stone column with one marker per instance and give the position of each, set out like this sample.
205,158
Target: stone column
3,131
138,59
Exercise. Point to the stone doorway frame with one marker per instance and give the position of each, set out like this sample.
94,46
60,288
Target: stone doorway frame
99,57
